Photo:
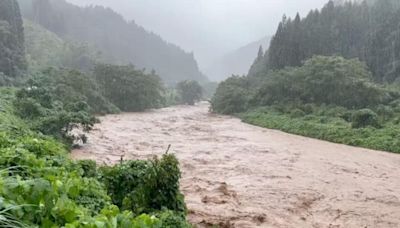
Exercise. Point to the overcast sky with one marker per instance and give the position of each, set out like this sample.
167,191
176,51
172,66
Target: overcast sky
209,28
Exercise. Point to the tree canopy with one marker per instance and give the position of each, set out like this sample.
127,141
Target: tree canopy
320,80
128,88
189,92
368,31
12,52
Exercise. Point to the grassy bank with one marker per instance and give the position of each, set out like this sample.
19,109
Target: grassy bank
329,128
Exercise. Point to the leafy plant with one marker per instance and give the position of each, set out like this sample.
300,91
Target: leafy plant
89,168
160,187
365,117
51,115
123,179
144,187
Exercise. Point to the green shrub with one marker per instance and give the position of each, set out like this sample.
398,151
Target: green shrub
364,118
308,108
296,113
123,179
189,92
347,116
171,219
71,86
160,187
50,116
384,112
89,168
56,193
128,88
145,187
335,111
231,96
279,108
41,187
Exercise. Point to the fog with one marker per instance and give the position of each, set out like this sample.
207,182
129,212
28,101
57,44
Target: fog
209,28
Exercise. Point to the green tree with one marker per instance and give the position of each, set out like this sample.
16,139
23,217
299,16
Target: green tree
367,30
323,80
12,51
189,91
232,96
363,118
129,89
70,86
49,115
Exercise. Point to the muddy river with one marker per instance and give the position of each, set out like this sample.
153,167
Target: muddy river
238,175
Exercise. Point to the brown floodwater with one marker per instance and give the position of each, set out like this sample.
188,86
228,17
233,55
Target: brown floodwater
238,175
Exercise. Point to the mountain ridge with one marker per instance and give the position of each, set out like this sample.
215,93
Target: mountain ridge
120,41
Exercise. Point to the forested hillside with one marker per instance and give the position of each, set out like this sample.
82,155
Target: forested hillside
332,75
368,31
120,42
12,55
45,49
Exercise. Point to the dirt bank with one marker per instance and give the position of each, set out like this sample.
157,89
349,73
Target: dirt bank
238,175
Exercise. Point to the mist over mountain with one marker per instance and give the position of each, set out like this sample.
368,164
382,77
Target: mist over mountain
120,41
237,62
208,28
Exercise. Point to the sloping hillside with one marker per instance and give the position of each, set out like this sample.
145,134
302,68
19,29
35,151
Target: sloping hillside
237,62
46,49
120,42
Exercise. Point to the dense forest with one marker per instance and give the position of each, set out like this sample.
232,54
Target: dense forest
12,55
333,75
44,48
119,41
367,31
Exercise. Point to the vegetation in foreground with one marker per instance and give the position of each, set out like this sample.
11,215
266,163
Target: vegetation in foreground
41,187
48,105
329,98
332,124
